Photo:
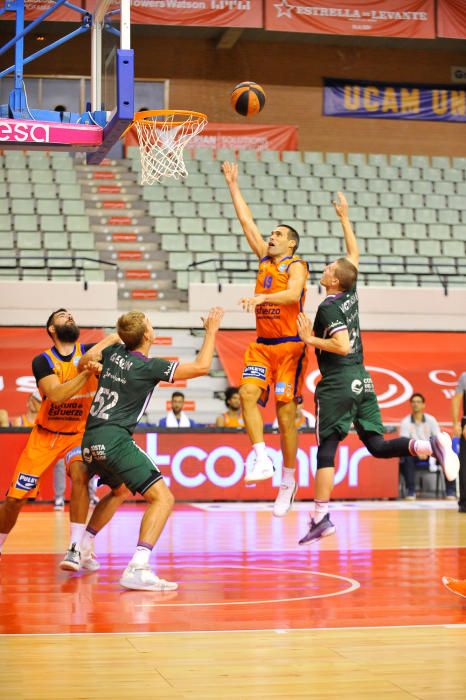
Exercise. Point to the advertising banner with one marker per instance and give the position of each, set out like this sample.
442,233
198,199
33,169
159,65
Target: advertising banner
257,137
400,364
18,347
451,19
202,13
210,467
35,8
195,13
413,19
373,100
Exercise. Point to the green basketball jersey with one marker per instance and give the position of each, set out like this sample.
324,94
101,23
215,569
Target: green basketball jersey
336,313
125,387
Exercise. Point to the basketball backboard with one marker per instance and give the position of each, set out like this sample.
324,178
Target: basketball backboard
111,107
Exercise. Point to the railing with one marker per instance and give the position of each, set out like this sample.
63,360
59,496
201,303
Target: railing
78,265
235,270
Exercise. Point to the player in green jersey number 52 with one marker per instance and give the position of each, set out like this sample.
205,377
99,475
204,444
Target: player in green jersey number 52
345,395
127,380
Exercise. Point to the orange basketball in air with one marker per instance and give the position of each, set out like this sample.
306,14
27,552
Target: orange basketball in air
248,99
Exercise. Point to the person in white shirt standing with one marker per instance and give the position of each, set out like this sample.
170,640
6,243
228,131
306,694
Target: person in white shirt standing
422,426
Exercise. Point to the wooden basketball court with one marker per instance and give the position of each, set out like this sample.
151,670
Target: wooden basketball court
361,615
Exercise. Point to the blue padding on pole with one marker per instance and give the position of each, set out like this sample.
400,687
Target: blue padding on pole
125,105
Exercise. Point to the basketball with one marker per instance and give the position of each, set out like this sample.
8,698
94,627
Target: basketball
248,99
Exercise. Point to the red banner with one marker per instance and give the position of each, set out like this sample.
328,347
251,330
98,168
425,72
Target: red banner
194,13
215,13
451,19
210,467
18,347
35,8
257,137
414,19
400,364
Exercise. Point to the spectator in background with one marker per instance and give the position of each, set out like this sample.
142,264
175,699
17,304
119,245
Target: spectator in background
177,418
232,418
27,420
421,426
304,420
4,421
458,404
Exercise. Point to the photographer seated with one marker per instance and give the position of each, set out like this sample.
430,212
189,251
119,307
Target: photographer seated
421,426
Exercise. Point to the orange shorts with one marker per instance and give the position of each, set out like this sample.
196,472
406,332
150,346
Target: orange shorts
283,365
42,450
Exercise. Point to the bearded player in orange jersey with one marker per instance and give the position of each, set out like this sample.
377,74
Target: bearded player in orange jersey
278,357
67,396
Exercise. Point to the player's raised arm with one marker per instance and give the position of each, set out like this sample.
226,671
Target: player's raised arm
201,365
94,354
252,233
51,388
351,244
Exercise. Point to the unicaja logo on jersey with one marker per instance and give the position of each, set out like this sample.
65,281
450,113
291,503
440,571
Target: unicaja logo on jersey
357,386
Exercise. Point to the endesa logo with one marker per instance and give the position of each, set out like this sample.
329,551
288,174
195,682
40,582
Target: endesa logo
223,466
30,132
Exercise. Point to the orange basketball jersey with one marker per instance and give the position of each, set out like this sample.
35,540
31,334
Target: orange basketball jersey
25,423
233,421
277,320
71,415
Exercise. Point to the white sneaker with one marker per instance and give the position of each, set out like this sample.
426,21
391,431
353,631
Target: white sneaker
261,469
144,579
443,453
72,559
88,560
59,504
284,500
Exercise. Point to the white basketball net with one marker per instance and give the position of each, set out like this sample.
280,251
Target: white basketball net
162,137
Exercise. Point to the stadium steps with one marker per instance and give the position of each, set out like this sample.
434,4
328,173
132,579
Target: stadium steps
123,228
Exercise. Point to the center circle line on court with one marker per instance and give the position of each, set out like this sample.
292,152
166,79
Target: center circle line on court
353,585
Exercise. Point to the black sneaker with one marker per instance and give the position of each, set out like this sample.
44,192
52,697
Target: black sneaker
324,528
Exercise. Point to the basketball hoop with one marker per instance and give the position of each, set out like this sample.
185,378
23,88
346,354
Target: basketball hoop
162,136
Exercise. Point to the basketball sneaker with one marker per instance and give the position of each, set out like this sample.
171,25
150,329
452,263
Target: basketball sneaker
285,498
443,453
455,585
323,528
88,560
261,469
142,578
72,559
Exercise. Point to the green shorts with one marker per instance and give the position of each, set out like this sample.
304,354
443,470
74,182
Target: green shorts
114,456
345,397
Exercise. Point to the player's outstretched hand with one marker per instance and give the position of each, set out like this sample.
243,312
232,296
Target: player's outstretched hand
212,322
341,206
250,303
304,328
230,170
94,367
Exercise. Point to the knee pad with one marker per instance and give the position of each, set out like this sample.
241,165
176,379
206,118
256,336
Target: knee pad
326,452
